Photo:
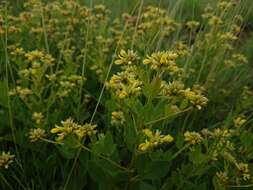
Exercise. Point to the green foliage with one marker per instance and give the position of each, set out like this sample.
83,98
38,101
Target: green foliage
140,95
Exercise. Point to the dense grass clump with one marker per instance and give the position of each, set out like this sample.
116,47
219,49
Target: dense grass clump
153,95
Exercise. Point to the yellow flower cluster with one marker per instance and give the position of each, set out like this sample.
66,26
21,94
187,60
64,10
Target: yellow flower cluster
244,171
17,51
34,55
227,37
36,134
239,58
221,133
38,64
192,25
225,148
22,92
126,58
37,117
222,177
195,98
6,159
67,84
215,21
154,139
117,118
70,127
125,83
155,17
174,88
224,5
239,121
193,137
177,89
165,60
38,56
182,49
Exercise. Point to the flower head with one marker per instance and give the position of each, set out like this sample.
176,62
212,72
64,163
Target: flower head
126,57
6,159
36,134
154,139
37,117
192,137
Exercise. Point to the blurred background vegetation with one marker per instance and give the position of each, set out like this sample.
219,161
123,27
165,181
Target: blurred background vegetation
186,9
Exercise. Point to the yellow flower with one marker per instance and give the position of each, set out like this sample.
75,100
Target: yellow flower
162,60
126,58
22,92
36,134
154,139
196,99
57,129
18,51
125,84
240,58
193,25
144,146
223,177
244,170
239,121
182,49
167,139
224,6
117,118
173,88
34,55
37,117
70,127
6,159
214,20
192,137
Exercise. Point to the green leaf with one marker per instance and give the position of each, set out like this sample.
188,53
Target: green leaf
150,90
141,162
156,170
115,173
154,112
197,157
184,104
104,145
146,186
130,134
69,148
96,172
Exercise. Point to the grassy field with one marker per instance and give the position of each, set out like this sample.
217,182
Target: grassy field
126,94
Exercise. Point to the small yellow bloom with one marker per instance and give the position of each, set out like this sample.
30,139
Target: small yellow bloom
192,137
6,159
239,121
167,139
70,127
36,134
154,139
144,146
117,118
126,58
37,117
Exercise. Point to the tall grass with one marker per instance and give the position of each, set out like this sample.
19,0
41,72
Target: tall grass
125,95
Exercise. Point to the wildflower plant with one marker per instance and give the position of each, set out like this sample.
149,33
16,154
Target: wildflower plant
140,98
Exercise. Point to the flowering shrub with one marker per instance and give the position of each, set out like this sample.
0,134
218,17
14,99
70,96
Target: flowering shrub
141,100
